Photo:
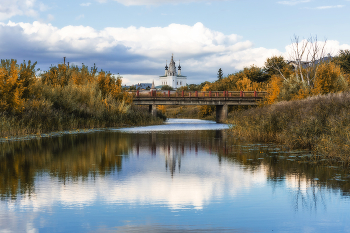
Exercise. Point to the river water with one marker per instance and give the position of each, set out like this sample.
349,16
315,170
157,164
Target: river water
185,176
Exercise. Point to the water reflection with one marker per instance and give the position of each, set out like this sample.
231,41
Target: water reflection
70,157
207,171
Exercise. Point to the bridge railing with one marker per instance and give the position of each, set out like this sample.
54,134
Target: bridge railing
197,94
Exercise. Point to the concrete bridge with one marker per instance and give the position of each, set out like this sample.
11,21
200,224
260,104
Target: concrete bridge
221,99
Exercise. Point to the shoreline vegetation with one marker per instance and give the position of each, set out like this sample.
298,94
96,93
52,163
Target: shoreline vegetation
307,105
64,98
319,123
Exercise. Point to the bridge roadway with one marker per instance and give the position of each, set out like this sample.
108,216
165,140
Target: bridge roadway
220,99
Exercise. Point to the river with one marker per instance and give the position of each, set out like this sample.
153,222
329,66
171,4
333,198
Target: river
184,176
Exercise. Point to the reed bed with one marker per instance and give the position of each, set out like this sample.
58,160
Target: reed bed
71,107
319,123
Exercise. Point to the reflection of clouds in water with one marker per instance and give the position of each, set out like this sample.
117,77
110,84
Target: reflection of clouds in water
184,190
166,229
296,182
11,221
178,124
200,181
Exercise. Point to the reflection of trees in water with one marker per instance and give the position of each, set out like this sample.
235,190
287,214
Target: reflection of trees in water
308,182
172,146
68,157
71,157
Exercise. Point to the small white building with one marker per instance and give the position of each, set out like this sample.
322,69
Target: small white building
171,77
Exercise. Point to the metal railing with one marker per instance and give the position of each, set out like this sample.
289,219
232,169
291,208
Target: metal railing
197,94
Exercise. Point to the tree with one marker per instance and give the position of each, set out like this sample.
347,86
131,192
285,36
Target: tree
343,60
167,87
220,74
253,73
276,65
306,55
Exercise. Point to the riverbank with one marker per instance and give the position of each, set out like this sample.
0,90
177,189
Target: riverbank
320,124
37,124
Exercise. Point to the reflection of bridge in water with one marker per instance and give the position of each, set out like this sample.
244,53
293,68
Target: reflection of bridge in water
220,99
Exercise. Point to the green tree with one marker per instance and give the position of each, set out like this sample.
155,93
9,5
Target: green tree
276,65
255,74
220,74
167,87
343,60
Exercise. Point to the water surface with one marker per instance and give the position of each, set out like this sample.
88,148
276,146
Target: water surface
185,176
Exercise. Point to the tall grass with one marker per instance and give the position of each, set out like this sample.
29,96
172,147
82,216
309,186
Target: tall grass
57,108
63,98
319,123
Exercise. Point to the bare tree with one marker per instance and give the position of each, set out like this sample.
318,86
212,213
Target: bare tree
305,56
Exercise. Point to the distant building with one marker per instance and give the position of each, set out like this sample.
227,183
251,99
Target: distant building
171,77
143,86
305,64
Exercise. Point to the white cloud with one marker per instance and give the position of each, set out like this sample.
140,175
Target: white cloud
331,47
139,51
80,17
43,7
156,2
85,4
10,8
293,2
50,17
134,51
329,7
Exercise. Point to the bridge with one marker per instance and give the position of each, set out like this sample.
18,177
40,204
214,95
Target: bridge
221,99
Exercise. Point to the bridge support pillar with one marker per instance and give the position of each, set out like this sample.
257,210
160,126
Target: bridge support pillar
221,113
153,109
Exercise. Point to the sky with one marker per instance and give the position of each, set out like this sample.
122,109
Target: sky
135,38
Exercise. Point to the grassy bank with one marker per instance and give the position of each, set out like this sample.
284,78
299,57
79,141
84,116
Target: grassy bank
53,120
319,123
63,98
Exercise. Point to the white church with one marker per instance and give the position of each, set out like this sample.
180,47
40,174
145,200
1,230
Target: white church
171,77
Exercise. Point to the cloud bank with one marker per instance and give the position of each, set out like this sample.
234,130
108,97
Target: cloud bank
139,54
131,50
10,8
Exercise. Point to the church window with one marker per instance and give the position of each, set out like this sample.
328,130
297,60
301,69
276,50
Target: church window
177,83
180,83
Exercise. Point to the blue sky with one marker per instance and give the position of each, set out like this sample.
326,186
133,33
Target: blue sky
135,37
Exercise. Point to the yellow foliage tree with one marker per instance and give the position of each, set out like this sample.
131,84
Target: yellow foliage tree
14,84
274,88
246,84
328,79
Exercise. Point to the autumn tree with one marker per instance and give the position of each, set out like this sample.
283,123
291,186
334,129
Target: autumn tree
329,79
15,84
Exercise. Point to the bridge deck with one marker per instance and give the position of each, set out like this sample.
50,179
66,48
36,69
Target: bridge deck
198,98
